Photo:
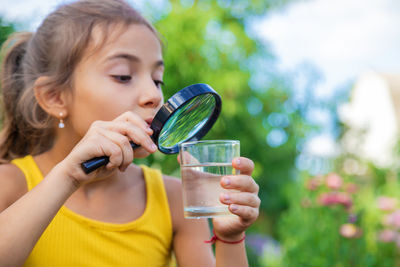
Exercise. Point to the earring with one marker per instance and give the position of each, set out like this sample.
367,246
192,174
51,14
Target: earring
61,123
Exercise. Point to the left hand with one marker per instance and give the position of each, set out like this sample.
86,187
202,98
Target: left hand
244,203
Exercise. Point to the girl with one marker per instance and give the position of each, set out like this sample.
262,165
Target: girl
84,85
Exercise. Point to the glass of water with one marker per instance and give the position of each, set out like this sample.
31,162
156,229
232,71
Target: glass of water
203,164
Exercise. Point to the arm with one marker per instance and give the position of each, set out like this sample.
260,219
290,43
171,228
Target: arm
23,222
189,234
24,218
245,204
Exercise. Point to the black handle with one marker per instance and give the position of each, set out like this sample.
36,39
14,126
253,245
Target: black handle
95,163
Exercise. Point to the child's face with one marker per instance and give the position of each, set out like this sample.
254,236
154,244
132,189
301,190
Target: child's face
123,75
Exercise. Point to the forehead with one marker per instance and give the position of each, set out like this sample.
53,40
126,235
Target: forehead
137,39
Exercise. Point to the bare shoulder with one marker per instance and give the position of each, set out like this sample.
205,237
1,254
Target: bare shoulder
12,185
173,185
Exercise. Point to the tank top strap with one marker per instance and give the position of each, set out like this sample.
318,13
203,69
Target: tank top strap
157,196
31,171
154,181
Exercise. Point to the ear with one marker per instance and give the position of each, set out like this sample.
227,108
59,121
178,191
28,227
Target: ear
52,101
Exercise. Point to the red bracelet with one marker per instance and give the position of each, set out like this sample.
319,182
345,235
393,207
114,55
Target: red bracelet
214,238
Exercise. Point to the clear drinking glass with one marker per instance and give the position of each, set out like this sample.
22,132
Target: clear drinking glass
203,164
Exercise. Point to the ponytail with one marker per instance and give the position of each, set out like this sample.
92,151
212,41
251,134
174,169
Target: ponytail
13,142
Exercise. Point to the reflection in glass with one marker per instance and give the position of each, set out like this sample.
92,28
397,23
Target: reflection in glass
187,121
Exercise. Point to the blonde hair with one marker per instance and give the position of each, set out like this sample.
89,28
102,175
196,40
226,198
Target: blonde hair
53,51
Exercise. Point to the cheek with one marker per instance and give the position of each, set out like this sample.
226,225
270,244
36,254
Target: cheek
85,110
98,100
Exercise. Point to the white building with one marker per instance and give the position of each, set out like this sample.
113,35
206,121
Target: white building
373,117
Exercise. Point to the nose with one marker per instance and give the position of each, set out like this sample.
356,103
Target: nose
150,96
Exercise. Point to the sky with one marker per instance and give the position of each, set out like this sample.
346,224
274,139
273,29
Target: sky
341,39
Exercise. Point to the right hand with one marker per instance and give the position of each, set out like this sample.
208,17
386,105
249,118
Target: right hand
109,138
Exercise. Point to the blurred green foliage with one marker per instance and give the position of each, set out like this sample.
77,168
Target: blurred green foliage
5,30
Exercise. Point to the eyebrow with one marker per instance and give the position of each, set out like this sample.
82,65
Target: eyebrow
133,58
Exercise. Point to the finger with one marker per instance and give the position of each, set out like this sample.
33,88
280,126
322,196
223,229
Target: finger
134,133
243,183
241,198
135,120
244,165
186,158
113,151
123,142
247,214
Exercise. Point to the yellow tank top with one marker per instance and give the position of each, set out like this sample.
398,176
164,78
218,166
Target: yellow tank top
74,240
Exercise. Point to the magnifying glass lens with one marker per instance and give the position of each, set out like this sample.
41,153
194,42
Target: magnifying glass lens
187,121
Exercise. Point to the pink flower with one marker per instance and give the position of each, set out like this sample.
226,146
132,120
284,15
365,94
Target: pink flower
345,200
333,198
349,230
393,219
387,236
351,188
326,199
313,183
334,181
387,203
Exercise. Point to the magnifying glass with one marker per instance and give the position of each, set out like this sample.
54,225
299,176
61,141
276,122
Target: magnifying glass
187,116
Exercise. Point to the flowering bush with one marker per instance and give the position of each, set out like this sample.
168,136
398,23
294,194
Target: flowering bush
337,220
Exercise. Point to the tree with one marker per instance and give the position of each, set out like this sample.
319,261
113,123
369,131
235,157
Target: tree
5,30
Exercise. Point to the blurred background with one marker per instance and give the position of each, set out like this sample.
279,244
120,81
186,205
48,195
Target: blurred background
311,88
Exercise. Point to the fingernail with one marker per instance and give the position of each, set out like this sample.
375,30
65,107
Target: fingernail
233,207
153,147
227,181
237,161
226,197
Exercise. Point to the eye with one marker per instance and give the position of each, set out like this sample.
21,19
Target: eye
158,83
122,78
